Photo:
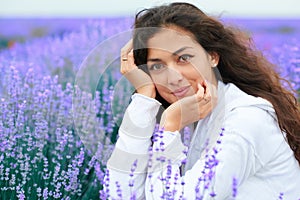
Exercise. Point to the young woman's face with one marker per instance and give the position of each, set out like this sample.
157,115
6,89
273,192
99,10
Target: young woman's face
177,63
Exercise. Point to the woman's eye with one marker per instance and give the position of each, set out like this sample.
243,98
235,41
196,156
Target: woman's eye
157,66
185,58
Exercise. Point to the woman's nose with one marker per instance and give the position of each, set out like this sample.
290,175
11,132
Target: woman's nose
174,76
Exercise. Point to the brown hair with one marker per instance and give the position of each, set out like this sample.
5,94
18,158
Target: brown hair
240,63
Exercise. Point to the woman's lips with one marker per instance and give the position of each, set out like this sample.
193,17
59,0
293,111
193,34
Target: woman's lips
181,91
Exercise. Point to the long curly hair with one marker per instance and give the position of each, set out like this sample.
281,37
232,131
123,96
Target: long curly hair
239,63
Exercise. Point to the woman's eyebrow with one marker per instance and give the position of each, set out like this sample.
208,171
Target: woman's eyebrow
154,60
180,50
174,54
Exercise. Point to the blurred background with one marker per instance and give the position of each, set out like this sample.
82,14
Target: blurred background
96,8
21,20
62,96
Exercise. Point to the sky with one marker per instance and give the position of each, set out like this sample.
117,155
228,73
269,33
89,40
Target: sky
96,8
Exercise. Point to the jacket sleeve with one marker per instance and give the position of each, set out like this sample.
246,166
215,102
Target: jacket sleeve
127,166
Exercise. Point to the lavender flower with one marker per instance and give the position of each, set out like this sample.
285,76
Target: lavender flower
234,187
280,197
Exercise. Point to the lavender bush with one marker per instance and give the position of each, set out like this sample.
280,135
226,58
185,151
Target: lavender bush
43,152
40,155
56,136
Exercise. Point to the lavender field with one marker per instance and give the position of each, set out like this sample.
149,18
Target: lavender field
62,99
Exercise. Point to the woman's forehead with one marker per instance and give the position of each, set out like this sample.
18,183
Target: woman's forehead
171,40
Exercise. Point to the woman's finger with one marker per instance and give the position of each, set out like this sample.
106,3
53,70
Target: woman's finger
126,49
128,64
130,61
207,92
127,60
200,92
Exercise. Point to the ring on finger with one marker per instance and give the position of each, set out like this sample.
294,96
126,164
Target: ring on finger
124,59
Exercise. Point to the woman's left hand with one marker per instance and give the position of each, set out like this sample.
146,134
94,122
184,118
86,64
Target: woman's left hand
137,77
189,109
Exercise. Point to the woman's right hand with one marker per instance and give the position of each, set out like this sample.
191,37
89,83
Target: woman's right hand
137,77
190,109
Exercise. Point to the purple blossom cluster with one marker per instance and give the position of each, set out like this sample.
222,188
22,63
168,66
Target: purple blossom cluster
61,53
55,137
170,175
41,157
279,42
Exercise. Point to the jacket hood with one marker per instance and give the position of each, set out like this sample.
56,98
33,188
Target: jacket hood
235,98
230,97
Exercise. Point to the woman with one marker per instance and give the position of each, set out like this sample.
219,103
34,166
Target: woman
246,143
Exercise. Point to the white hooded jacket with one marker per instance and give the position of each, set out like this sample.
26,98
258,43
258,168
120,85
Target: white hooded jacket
237,152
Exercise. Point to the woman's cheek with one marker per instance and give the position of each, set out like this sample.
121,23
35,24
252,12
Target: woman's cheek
159,80
195,84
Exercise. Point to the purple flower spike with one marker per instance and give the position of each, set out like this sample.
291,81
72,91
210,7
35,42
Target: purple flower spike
234,187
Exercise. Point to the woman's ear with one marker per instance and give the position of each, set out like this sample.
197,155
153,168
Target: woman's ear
214,59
